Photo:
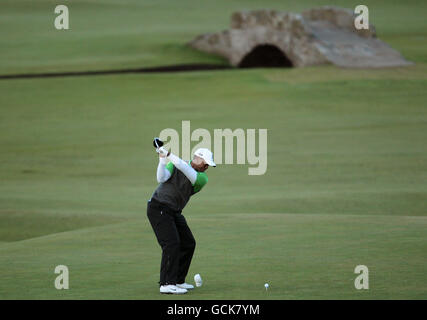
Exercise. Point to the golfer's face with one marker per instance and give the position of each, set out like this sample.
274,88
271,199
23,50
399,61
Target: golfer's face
200,164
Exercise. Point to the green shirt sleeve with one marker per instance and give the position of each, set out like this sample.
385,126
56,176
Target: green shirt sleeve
169,166
201,180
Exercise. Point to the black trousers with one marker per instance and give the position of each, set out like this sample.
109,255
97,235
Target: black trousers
175,239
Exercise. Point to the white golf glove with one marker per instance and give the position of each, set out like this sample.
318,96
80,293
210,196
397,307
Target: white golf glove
162,152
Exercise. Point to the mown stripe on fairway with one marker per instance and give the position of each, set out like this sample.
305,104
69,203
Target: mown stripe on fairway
19,225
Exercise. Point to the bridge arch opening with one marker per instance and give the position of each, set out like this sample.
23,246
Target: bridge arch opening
265,56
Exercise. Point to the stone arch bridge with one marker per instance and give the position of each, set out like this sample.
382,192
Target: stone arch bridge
318,36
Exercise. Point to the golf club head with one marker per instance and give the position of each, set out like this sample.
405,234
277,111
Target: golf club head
157,143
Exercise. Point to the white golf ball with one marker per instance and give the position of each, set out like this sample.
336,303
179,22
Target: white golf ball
266,286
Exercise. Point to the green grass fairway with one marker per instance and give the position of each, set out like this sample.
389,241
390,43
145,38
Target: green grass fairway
115,34
301,256
346,183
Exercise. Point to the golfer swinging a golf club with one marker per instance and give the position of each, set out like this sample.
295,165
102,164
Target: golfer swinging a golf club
179,180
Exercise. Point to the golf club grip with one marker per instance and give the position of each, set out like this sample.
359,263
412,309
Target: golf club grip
157,143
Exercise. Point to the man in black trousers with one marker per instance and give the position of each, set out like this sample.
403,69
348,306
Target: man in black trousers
179,180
